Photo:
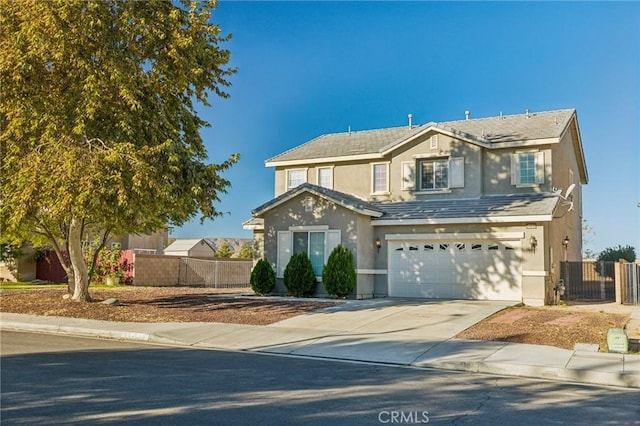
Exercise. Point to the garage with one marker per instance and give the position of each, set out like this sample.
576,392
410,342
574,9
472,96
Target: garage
455,269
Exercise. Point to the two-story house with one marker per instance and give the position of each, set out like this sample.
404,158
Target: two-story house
473,209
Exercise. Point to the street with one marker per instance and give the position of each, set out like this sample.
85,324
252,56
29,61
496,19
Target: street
48,379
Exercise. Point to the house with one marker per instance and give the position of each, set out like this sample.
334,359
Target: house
190,247
473,209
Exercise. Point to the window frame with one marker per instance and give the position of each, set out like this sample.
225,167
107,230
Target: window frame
420,176
287,244
330,169
538,168
288,178
374,190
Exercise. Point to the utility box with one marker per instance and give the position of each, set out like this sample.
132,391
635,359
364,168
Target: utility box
617,340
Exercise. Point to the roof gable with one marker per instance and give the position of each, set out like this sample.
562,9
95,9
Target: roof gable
345,200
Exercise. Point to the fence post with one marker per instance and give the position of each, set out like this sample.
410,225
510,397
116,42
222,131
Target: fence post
617,267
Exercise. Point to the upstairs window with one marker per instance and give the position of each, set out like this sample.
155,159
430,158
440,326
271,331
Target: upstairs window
325,177
434,174
527,168
380,175
295,178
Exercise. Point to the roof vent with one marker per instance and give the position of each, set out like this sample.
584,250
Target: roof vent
501,114
526,113
466,114
349,130
410,116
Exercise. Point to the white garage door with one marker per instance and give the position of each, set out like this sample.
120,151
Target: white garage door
455,269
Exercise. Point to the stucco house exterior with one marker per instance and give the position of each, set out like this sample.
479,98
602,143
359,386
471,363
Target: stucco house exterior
474,209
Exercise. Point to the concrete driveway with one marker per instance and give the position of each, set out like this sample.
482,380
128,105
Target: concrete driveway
395,331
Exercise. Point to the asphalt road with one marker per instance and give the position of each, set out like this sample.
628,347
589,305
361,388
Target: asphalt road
48,379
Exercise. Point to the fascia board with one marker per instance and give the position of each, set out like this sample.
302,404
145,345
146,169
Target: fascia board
462,220
530,142
367,212
371,156
391,147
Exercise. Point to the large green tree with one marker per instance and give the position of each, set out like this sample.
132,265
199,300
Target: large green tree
98,124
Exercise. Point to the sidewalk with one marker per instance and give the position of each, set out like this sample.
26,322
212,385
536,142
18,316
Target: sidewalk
329,337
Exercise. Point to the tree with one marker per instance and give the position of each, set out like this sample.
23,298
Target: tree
98,124
339,275
245,251
613,254
225,251
298,277
263,278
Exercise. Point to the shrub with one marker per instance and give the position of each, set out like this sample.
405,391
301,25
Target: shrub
299,278
263,279
339,275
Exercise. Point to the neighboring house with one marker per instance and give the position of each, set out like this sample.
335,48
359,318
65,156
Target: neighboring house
471,209
197,247
153,243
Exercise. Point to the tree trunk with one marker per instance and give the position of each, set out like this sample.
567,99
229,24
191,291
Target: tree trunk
78,265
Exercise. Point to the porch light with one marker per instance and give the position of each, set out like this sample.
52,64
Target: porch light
378,244
565,242
533,242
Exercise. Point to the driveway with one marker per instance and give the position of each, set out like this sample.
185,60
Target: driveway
378,330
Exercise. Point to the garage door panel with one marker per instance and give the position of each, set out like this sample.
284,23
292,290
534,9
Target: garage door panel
455,269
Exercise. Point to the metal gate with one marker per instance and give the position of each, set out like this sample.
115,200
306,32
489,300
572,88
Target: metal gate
215,273
589,280
630,283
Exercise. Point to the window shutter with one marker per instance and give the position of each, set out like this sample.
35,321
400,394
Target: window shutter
456,172
408,175
515,169
285,239
332,240
540,167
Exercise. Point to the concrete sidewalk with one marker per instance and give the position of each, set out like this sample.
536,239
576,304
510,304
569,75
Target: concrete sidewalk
407,333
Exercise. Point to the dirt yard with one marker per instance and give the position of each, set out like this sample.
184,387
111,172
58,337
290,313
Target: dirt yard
560,326
158,304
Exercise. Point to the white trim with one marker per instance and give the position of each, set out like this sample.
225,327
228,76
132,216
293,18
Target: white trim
371,271
531,142
456,236
534,273
432,191
309,228
370,156
431,155
407,183
484,219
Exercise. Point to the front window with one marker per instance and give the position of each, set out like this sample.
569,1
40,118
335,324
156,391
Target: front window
527,168
295,178
311,243
380,180
434,174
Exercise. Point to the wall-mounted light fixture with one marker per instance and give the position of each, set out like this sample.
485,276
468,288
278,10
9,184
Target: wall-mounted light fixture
378,244
533,242
565,242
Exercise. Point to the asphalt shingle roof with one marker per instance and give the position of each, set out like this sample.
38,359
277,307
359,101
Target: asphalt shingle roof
520,127
524,204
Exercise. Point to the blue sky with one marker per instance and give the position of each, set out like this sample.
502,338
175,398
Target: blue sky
309,68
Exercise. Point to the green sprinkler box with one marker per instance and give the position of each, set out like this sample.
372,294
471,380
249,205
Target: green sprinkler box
617,340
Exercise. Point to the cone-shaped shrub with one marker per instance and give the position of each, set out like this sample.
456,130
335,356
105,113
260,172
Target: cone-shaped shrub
299,278
339,275
263,279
